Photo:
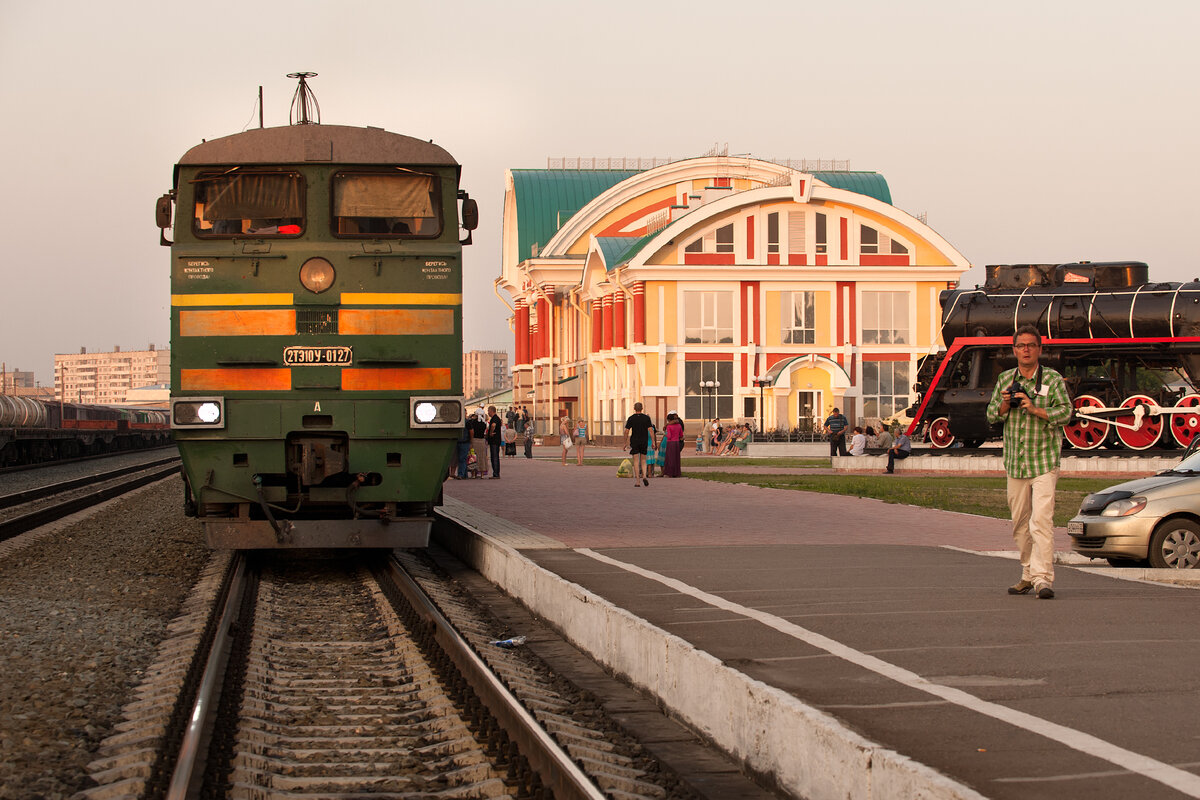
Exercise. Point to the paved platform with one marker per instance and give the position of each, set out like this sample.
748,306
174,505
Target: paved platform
847,647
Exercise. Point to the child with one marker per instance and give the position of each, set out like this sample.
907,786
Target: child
699,442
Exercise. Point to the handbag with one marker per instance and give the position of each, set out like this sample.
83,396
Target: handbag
567,443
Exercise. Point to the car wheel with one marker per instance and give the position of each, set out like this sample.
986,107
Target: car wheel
1175,545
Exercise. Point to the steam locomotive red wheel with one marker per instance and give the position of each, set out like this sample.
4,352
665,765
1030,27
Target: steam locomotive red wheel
939,433
1086,434
1186,427
1148,432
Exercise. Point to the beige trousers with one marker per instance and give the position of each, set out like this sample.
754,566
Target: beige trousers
1031,501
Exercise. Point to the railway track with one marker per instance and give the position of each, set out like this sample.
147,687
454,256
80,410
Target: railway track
81,459
31,508
370,676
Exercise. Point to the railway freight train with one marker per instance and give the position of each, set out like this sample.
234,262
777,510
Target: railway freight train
316,332
35,432
1104,327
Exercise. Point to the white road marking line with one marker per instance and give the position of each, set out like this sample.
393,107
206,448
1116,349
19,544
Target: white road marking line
1153,769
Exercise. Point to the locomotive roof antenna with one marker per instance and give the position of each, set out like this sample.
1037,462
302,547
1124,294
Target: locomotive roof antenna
304,102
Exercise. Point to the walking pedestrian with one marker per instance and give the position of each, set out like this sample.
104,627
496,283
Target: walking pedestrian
639,436
463,450
478,431
494,438
1032,402
674,436
580,440
835,425
564,437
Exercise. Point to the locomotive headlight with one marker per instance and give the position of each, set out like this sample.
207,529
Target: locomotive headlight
316,275
198,412
436,412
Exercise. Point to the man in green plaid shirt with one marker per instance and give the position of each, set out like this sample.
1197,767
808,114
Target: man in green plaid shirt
1033,417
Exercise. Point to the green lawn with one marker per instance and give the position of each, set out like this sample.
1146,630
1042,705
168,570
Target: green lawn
977,495
709,462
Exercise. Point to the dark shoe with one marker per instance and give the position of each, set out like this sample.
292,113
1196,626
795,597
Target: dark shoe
645,481
1045,593
888,472
1021,587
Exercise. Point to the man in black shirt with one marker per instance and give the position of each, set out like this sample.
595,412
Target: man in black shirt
639,435
493,440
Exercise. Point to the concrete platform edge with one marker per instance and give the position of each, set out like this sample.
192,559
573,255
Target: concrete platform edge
805,751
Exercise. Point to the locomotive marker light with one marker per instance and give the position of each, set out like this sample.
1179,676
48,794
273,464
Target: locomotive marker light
198,412
436,412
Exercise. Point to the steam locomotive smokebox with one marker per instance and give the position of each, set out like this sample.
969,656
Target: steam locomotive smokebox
1099,275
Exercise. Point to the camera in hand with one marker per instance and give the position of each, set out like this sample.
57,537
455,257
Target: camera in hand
1015,390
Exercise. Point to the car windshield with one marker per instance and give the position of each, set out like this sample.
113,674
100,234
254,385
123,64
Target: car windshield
249,204
1191,464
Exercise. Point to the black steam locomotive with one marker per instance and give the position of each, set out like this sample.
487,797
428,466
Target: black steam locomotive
1104,326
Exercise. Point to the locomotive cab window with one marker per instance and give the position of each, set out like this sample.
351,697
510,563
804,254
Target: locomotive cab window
375,204
249,204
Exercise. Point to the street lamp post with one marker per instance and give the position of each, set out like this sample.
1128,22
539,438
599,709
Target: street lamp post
708,388
761,381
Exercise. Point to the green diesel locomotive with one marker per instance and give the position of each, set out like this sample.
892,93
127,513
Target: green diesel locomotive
316,334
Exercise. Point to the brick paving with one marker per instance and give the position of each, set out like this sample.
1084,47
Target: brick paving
589,506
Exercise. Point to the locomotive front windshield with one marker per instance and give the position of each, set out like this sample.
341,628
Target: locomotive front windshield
249,203
386,204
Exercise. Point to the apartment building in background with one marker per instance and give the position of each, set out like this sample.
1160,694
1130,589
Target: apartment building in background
106,378
485,371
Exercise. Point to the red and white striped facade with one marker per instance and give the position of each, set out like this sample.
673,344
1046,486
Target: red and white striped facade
794,295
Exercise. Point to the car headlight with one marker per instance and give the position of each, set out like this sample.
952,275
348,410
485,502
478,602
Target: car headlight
198,412
1124,507
436,412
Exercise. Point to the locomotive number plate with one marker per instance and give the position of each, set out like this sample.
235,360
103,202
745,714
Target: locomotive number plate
318,356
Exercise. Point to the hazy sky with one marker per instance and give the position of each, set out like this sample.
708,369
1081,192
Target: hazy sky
1027,131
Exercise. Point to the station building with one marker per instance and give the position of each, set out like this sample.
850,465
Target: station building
718,286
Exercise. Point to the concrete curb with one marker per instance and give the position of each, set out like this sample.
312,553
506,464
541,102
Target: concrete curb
805,751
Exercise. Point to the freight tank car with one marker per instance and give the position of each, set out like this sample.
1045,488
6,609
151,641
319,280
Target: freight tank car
35,432
1103,326
316,332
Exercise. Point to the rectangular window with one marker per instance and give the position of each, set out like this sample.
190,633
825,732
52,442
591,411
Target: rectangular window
885,388
773,232
708,317
375,205
822,237
706,402
885,318
796,238
725,239
249,203
868,239
798,315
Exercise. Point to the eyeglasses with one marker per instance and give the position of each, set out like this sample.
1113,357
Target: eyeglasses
1027,346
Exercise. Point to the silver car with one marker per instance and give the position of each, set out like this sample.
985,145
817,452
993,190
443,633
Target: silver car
1155,520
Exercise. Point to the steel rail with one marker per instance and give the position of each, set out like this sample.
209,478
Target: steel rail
34,519
16,498
555,768
188,774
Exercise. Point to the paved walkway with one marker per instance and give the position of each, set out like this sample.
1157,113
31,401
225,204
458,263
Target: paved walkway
590,507
858,609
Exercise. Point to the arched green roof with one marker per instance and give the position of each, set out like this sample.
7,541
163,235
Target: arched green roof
547,198
872,184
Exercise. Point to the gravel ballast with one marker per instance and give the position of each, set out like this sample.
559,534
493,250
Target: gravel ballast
82,608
